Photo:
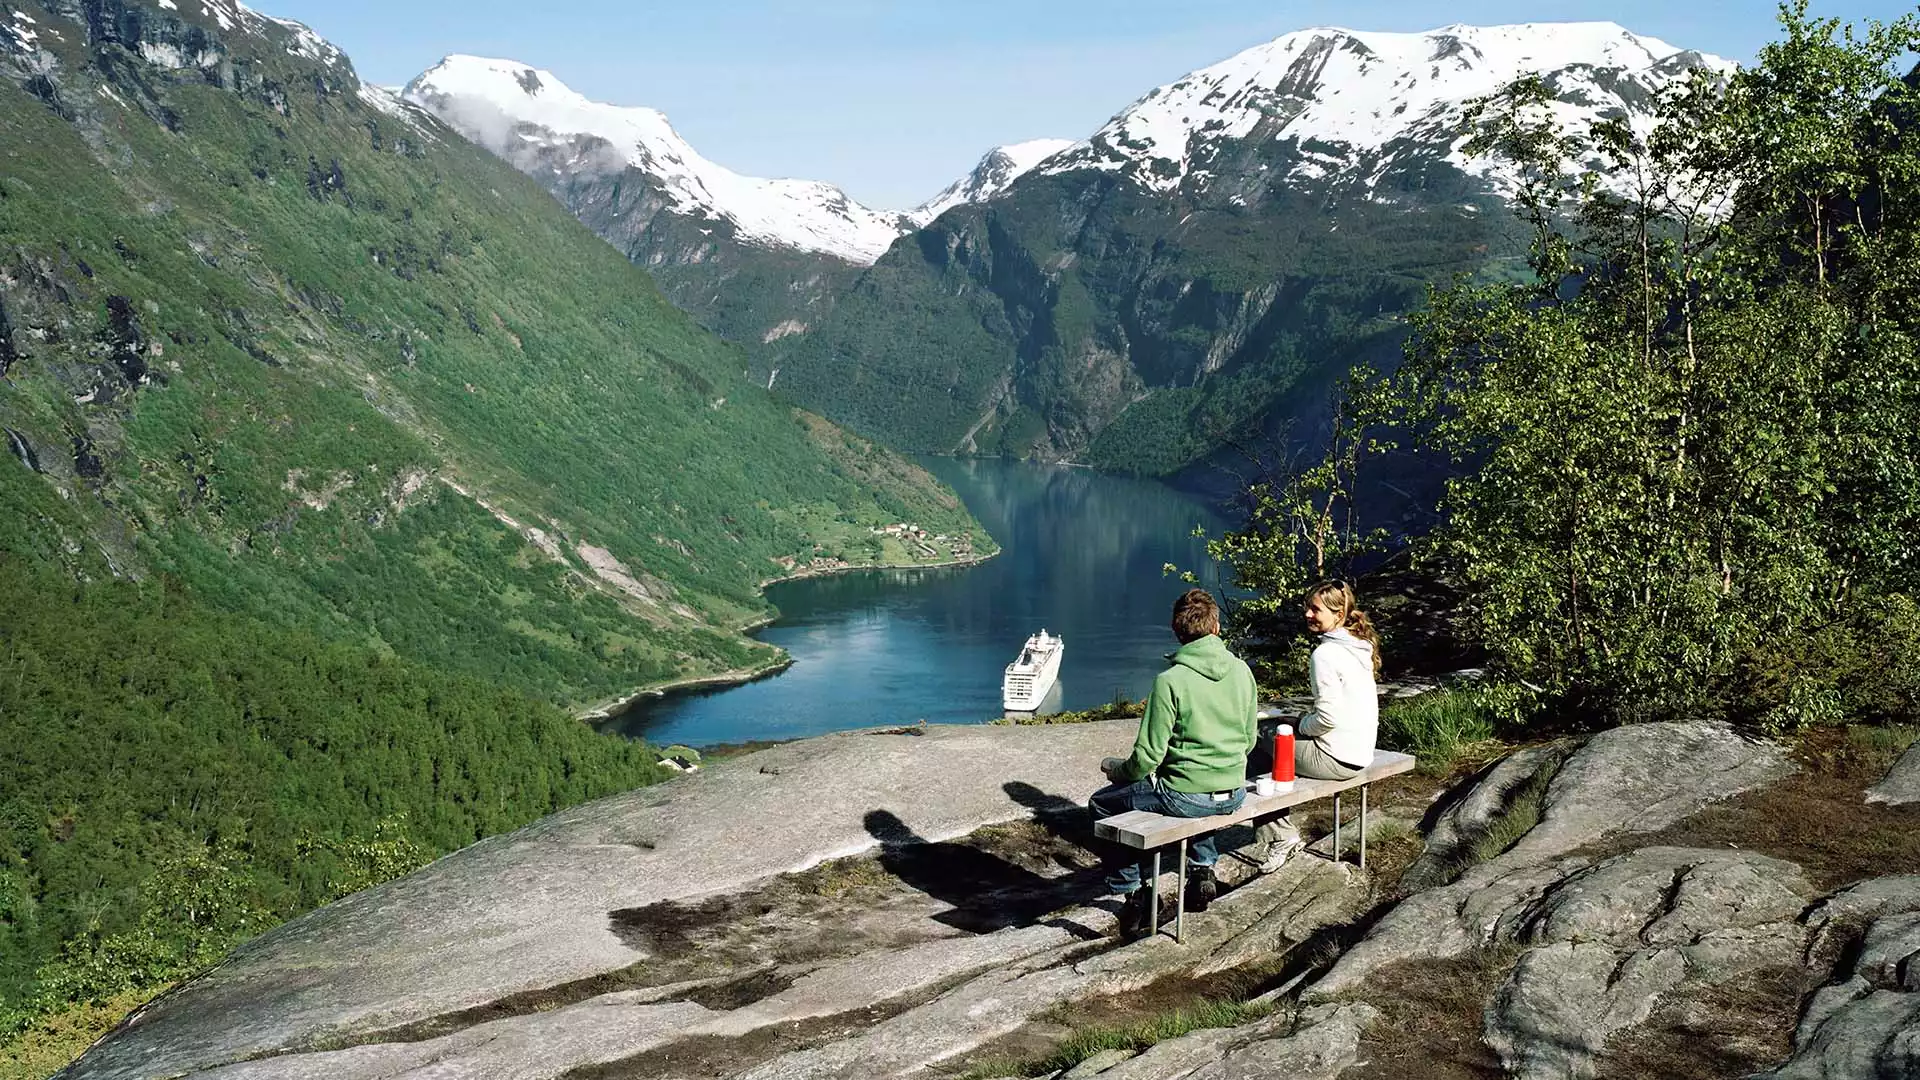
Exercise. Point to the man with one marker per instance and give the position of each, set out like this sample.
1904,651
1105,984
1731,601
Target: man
1190,757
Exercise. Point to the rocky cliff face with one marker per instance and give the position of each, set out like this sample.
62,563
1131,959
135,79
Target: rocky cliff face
1081,318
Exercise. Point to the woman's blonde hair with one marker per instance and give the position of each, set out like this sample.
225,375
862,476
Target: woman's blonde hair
1337,597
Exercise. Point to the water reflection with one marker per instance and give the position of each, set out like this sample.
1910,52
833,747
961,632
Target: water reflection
1081,556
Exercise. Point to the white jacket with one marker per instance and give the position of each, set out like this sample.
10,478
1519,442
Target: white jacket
1346,703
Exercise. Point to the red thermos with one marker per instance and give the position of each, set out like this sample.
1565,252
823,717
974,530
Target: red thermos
1283,754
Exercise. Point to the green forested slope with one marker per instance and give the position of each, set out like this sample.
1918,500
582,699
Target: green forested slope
339,460
265,335
177,778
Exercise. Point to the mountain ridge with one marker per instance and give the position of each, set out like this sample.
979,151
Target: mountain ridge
276,295
1142,296
1196,273
514,109
342,467
1286,88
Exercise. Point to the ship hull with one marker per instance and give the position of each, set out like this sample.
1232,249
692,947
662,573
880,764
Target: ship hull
1026,686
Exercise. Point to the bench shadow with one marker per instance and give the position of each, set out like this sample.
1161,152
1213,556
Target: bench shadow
985,891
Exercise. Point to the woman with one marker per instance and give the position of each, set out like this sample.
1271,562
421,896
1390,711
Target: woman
1335,739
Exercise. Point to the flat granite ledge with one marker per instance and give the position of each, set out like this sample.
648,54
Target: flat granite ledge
530,909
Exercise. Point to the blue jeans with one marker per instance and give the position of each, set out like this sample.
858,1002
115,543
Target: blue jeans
1126,868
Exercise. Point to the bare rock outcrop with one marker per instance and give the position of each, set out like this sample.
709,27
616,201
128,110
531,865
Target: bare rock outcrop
1287,906
1632,779
1902,782
1609,940
1866,1025
1643,777
1473,816
1316,1043
1598,943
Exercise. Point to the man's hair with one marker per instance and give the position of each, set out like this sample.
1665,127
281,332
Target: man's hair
1195,615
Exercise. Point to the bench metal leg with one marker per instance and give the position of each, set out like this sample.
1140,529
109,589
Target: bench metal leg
1180,894
1363,825
1336,826
1153,897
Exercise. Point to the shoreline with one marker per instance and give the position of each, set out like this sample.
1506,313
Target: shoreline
801,575
742,676
735,677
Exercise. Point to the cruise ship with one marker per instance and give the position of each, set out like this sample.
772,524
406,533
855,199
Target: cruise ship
1029,678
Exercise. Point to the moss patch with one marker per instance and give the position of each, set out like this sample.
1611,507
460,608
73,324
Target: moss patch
1818,817
1170,1007
1429,1025
1722,1032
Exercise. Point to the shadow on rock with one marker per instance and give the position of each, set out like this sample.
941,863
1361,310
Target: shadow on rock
1062,817
987,891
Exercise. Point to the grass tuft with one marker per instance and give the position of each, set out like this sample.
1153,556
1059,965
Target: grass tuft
1522,814
1119,709
1134,1038
54,1039
1441,728
1878,746
838,877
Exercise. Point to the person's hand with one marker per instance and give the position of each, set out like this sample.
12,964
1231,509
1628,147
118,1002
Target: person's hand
1112,766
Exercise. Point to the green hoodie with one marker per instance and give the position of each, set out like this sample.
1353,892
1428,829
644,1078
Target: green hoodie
1200,722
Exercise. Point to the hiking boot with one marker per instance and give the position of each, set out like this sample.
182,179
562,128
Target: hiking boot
1134,914
1278,852
1202,887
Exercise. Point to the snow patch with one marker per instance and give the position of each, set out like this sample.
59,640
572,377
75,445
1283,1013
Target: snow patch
511,108
23,33
994,174
306,44
169,5
384,100
218,12
173,58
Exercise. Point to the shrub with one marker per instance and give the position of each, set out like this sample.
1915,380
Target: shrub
1863,667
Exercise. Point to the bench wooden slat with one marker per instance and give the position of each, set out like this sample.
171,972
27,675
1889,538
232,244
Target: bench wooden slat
1147,830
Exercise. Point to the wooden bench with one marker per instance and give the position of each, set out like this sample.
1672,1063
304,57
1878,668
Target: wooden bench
1149,831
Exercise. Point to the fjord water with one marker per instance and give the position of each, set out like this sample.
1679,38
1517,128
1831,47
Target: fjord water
1081,555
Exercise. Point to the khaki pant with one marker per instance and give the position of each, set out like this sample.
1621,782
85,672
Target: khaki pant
1311,762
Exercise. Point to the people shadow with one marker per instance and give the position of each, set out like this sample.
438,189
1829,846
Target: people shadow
1060,816
984,891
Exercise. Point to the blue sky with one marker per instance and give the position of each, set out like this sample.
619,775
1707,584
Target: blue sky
892,100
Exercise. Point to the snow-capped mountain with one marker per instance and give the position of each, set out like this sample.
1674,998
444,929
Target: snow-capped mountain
518,111
534,120
1215,255
1353,102
997,170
